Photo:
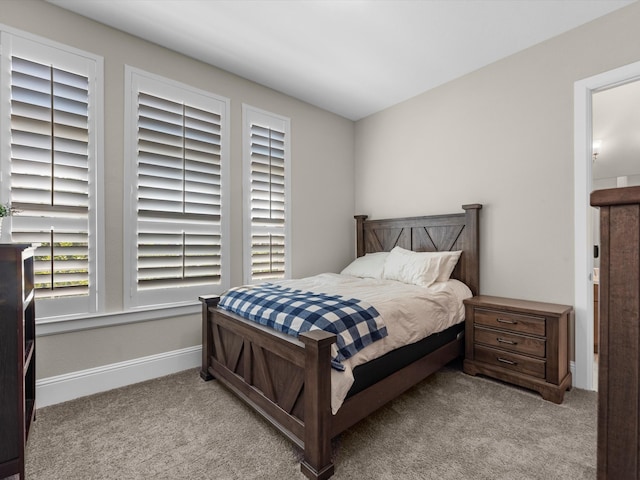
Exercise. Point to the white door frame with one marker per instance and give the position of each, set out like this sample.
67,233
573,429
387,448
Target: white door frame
583,147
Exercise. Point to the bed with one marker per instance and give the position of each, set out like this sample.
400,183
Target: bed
288,380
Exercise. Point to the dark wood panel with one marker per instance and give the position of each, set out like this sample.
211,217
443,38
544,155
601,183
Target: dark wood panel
616,197
619,342
603,357
517,343
9,380
511,321
428,233
17,355
511,361
291,427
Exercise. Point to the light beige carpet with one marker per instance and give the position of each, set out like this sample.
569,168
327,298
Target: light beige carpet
449,427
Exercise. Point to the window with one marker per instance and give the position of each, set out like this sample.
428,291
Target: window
51,163
266,177
177,166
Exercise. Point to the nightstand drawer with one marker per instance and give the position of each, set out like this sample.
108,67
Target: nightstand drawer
510,341
511,321
512,361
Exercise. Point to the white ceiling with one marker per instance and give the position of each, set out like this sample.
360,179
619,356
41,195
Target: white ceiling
351,57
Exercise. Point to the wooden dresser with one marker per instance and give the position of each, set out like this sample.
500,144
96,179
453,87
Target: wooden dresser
619,342
520,342
17,355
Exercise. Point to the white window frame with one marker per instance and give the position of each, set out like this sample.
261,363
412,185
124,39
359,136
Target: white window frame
42,50
252,115
135,298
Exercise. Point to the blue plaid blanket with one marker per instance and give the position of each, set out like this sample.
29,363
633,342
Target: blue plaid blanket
291,311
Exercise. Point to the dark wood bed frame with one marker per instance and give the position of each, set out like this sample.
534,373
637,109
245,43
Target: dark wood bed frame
288,380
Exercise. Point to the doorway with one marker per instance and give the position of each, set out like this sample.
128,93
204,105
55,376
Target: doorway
583,218
615,160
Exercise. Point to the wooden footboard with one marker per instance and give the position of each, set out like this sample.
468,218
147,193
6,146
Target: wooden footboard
286,380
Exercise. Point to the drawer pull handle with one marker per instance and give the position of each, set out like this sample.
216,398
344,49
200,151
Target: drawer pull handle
506,320
508,342
509,362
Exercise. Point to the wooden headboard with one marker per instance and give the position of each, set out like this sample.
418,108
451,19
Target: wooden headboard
435,233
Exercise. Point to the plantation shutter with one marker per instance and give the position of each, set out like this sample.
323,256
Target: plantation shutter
267,202
50,173
178,194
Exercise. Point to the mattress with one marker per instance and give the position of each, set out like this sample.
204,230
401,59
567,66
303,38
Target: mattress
369,373
410,313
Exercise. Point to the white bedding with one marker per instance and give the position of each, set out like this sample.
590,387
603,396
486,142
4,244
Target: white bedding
410,313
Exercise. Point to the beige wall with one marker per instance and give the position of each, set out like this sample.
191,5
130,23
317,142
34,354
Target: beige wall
501,136
322,150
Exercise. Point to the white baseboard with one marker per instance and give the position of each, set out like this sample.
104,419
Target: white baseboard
62,388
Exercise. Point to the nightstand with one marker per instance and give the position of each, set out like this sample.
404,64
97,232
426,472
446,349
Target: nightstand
518,341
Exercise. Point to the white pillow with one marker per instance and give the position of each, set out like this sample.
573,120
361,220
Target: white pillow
447,263
419,268
369,266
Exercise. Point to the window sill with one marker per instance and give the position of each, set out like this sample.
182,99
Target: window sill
75,323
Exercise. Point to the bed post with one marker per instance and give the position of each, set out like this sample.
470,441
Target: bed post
317,463
360,248
207,339
471,247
